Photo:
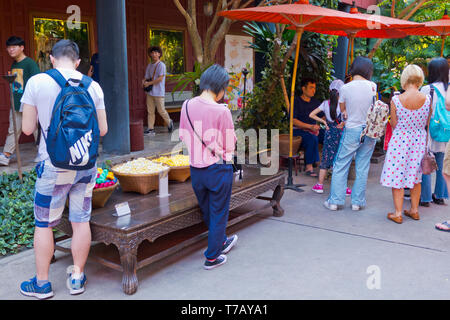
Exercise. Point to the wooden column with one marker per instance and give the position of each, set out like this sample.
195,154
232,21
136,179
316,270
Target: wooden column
112,47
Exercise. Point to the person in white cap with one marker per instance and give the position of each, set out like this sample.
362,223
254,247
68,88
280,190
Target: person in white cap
334,125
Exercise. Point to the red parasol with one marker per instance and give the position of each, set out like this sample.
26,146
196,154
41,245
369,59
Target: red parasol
302,16
380,27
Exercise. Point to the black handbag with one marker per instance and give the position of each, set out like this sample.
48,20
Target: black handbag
236,167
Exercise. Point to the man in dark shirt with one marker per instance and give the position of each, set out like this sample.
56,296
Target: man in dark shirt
94,68
306,127
24,68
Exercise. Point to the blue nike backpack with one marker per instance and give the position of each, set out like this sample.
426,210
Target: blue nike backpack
73,135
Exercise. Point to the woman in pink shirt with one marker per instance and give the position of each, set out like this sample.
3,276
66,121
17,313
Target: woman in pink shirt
207,129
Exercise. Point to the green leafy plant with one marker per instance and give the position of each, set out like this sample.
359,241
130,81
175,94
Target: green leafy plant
189,78
16,212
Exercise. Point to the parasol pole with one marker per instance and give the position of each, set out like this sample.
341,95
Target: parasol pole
348,57
290,184
442,45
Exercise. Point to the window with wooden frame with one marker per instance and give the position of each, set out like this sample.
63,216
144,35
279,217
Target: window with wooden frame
49,30
172,42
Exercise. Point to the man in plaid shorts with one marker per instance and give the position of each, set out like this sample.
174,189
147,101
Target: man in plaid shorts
54,185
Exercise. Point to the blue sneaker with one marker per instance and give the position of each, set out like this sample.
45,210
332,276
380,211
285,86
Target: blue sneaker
31,289
229,244
76,286
220,260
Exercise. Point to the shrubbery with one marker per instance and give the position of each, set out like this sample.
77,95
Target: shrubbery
16,212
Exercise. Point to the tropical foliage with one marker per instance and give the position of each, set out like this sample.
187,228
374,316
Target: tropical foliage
172,45
394,55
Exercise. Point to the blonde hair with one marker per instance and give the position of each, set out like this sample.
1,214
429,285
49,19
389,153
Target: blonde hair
412,74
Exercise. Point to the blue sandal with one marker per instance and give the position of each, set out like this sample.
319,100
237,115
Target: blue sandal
444,226
311,174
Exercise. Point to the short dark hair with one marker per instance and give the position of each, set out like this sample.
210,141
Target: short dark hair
304,82
66,48
362,66
438,71
215,78
155,48
15,41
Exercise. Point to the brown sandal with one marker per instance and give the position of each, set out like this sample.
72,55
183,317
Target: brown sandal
414,215
392,217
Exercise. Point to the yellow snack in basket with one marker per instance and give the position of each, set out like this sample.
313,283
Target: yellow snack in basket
175,161
140,166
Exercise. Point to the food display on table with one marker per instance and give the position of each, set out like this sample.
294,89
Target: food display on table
139,175
139,166
105,179
179,167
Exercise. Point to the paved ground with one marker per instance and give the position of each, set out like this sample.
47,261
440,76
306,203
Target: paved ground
309,253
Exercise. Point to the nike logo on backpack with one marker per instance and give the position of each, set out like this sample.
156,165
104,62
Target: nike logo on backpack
80,150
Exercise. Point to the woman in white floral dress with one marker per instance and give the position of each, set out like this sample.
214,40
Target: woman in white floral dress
409,117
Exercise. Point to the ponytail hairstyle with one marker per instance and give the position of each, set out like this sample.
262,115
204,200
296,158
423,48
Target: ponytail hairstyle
334,100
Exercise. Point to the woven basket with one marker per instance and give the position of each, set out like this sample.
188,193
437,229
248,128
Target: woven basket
140,183
100,196
180,174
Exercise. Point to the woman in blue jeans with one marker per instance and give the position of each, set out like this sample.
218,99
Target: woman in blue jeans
355,99
438,77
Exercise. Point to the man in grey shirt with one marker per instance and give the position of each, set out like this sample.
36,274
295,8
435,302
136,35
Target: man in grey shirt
155,76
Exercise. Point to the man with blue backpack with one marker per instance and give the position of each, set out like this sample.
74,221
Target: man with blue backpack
69,107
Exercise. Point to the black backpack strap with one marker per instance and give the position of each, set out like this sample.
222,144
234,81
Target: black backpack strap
193,129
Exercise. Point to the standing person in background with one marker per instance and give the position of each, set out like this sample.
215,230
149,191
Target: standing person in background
94,70
445,226
306,127
355,99
212,180
24,67
410,113
333,133
438,78
155,78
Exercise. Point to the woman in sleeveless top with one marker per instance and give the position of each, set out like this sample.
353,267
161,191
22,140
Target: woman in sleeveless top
409,116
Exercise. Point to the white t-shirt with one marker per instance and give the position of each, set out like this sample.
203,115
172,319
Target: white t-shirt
358,97
434,145
325,107
41,91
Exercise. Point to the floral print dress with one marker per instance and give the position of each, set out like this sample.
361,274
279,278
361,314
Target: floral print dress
407,147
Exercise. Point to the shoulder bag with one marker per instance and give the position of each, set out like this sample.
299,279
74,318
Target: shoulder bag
428,164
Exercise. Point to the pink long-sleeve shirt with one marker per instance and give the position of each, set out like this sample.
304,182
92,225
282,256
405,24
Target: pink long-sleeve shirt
214,124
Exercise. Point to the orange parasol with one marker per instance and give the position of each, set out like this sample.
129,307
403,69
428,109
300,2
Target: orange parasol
396,28
302,16
439,28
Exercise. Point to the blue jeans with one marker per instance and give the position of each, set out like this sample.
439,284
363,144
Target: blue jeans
349,147
440,188
311,144
212,186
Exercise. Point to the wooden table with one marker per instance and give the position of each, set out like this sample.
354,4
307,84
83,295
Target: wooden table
176,222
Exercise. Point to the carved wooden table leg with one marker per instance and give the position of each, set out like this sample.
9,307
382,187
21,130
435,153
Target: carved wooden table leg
128,259
278,211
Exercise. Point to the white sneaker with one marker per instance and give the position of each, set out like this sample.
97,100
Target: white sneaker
330,206
4,160
355,207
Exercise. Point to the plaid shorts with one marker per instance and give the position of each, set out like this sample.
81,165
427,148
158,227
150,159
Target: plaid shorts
53,185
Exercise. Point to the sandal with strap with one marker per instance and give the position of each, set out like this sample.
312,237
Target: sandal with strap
444,226
392,217
412,215
311,174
